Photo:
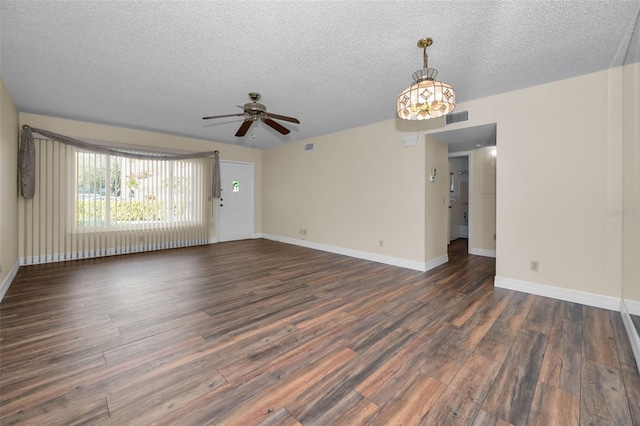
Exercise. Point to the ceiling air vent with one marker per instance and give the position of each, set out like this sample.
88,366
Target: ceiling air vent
308,146
457,117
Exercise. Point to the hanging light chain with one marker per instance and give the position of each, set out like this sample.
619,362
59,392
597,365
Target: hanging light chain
424,43
425,58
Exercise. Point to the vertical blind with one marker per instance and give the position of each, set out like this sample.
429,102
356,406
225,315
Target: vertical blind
90,204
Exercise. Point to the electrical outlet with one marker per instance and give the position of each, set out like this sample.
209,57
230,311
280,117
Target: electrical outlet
381,243
304,232
534,265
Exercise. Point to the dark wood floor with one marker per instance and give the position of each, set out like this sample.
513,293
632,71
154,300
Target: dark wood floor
260,332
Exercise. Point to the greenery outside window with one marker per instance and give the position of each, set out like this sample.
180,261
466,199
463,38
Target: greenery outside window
118,193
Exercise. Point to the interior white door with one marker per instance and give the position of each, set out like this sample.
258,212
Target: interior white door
235,206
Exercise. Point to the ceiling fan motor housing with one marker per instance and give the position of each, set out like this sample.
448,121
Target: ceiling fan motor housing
254,108
254,111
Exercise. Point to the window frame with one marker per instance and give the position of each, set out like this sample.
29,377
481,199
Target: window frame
173,221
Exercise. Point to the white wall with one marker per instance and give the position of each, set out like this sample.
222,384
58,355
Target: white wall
8,189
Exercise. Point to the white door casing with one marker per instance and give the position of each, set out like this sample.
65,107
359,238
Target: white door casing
235,206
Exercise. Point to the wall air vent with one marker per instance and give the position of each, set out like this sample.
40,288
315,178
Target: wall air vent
308,146
457,117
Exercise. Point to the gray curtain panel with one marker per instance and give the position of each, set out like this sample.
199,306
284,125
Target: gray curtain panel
217,184
27,165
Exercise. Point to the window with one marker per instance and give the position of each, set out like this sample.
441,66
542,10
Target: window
118,193
89,204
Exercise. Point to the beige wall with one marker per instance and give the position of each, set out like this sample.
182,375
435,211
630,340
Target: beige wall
558,171
631,184
436,210
483,199
119,135
355,188
8,183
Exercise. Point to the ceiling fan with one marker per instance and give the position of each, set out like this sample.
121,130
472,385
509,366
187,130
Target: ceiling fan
254,111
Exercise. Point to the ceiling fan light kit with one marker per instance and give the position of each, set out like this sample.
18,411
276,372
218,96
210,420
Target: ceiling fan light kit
426,98
254,111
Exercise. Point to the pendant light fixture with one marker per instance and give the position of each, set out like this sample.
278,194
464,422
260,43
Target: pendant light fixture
427,98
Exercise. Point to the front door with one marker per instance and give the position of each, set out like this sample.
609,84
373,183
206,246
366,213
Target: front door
235,206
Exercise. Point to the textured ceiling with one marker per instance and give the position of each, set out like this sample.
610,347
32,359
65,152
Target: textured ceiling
163,65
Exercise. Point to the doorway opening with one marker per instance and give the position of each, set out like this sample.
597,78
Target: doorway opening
472,155
458,197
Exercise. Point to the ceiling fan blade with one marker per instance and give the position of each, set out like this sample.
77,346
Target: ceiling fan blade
221,116
244,128
269,122
283,117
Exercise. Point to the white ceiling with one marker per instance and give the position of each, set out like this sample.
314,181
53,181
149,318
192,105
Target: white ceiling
163,65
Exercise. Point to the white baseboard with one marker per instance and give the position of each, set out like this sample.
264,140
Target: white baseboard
632,306
8,280
634,339
375,257
590,299
257,236
434,263
89,254
482,252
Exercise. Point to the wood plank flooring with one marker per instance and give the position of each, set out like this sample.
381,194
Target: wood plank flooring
263,333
